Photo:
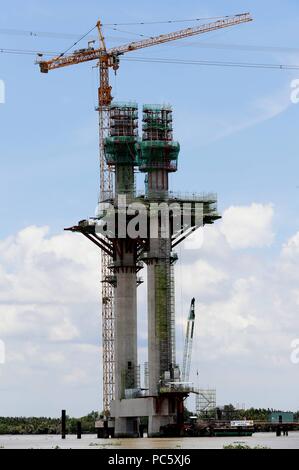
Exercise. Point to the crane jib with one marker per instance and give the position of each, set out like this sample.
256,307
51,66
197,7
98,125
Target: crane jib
109,56
183,33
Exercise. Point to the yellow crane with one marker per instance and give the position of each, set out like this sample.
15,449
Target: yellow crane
109,58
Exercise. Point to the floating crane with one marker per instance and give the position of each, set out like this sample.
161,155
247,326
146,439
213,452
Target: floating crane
109,58
188,343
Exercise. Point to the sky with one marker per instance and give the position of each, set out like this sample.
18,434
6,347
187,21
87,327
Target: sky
238,131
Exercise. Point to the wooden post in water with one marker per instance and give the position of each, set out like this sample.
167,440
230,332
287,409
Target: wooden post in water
63,424
79,430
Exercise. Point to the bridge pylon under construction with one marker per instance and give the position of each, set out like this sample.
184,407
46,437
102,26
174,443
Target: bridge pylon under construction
138,230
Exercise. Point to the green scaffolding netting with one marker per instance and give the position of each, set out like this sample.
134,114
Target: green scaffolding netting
120,150
157,151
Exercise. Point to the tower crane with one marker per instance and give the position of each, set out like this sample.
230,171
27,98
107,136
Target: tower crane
106,59
188,342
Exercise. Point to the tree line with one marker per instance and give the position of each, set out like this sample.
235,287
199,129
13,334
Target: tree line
229,412
45,425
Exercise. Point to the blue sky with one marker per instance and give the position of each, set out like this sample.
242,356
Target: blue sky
48,149
237,127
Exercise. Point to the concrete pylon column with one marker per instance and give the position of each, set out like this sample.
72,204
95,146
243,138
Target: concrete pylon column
124,181
121,153
153,343
160,347
125,333
125,346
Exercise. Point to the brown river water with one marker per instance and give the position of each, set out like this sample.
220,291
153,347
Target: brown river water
91,442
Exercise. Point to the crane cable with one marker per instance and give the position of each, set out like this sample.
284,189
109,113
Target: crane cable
128,32
213,63
32,33
245,47
27,52
171,60
170,21
76,42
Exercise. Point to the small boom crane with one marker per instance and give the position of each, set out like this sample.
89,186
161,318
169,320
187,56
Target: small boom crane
188,342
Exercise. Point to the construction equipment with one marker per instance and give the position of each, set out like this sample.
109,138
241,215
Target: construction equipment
110,59
188,343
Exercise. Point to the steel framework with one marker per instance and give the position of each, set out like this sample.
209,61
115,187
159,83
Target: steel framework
205,400
106,190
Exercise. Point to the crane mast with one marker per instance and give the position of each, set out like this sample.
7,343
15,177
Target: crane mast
106,191
188,343
110,59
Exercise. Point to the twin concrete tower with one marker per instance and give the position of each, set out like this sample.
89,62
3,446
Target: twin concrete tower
137,230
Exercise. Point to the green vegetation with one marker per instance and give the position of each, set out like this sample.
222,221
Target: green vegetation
256,414
252,414
106,444
45,425
242,445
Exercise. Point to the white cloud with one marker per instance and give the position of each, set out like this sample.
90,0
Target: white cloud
247,314
202,276
49,303
291,247
248,226
64,331
76,376
58,267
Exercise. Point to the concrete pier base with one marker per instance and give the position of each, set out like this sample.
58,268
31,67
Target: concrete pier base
155,423
126,427
126,413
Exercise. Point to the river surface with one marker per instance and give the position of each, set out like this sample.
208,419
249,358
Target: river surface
91,442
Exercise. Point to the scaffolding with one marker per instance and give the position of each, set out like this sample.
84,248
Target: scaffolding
120,145
157,150
123,119
165,310
107,293
158,154
172,308
205,400
157,122
146,376
138,377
